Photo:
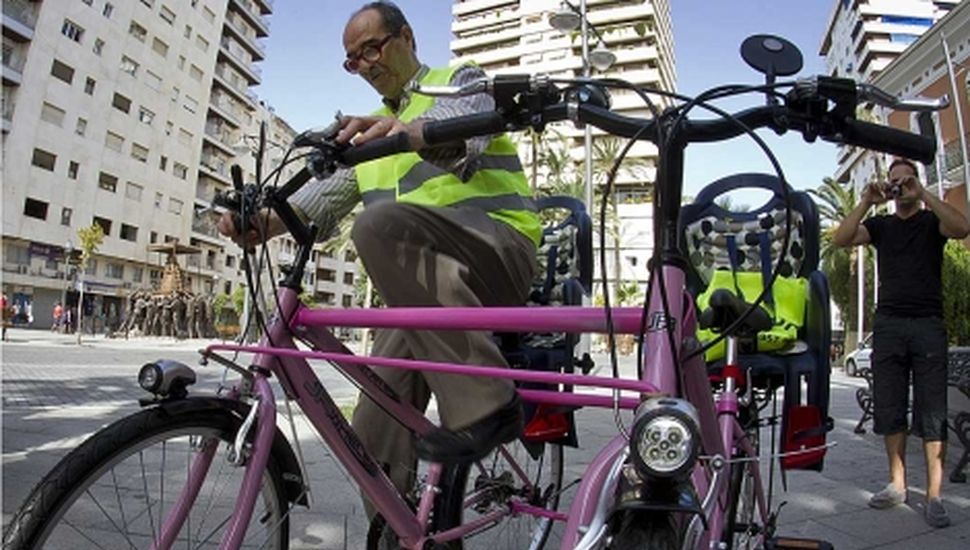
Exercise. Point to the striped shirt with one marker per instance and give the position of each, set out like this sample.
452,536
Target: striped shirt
326,202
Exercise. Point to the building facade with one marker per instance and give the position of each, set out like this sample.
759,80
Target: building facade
863,37
515,36
128,115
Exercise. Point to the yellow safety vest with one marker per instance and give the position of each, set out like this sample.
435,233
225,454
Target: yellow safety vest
498,185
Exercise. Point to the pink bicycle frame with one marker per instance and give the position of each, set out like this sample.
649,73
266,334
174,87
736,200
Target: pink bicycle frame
277,354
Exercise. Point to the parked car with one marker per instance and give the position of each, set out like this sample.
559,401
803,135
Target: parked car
859,359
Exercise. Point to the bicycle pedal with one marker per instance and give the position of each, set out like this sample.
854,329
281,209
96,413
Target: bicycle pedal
790,543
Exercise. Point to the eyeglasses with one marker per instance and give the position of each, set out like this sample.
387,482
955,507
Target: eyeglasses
370,53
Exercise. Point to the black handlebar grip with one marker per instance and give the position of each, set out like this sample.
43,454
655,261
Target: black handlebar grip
889,140
237,177
382,147
461,128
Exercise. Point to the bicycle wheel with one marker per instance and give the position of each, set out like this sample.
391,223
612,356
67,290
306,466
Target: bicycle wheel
510,474
117,488
740,531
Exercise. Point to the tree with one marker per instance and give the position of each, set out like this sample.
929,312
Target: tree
835,201
956,292
90,239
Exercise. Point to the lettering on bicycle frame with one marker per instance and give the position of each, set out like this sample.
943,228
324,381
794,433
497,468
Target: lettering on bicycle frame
346,433
658,321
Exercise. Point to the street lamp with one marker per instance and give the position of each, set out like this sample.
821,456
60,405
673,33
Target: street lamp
568,19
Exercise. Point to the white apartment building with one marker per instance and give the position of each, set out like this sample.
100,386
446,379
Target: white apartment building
127,114
515,36
862,38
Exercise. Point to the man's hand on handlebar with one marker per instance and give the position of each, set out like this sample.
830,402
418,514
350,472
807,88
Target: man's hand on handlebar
261,228
361,129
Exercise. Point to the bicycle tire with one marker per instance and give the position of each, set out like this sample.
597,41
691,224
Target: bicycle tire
741,505
644,529
464,497
59,509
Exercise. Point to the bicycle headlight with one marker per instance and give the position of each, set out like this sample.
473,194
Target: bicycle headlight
166,378
665,438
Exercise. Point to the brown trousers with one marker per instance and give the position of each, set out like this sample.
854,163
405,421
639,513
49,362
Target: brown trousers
425,256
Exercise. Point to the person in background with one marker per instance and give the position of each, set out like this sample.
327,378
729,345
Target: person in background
909,337
58,316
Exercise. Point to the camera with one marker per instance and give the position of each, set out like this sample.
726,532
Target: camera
895,190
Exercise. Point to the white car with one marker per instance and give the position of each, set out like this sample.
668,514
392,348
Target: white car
859,358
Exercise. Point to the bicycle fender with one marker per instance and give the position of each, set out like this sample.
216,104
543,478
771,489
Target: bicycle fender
296,491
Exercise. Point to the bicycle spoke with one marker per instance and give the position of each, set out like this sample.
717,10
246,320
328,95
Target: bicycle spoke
148,506
107,516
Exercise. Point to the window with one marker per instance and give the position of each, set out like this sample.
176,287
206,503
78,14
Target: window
88,2
81,126
167,14
137,31
62,71
196,73
72,169
98,46
188,31
121,103
180,170
104,223
114,141
191,104
34,208
66,216
209,15
175,93
129,232
348,300
92,268
185,136
129,65
149,3
108,10
162,163
89,84
328,275
161,48
133,191
230,261
145,115
181,62
114,271
201,43
348,278
153,80
168,127
136,274
175,205
72,30
158,201
44,159
107,182
139,152
52,114
153,237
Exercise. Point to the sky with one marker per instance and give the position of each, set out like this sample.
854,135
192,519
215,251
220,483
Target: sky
303,80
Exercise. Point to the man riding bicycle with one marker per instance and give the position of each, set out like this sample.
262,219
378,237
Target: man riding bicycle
451,225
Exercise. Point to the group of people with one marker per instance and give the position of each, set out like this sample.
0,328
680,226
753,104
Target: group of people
178,315
439,229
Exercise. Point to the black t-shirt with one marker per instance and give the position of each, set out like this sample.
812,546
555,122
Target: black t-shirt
910,263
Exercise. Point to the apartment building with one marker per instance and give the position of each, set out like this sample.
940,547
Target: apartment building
127,114
863,37
922,70
515,36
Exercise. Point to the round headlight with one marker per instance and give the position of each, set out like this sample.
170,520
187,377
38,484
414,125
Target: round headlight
150,377
665,438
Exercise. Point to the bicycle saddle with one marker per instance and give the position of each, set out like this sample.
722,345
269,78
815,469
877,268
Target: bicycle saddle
725,308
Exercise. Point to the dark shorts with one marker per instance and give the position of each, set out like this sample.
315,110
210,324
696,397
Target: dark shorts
905,347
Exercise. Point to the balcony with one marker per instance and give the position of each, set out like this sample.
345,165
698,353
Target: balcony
246,36
220,137
7,113
13,65
19,19
226,108
204,225
251,13
265,6
227,51
229,80
215,167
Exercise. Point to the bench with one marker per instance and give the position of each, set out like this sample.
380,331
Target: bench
958,382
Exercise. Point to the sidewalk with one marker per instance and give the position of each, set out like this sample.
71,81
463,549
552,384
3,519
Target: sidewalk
42,421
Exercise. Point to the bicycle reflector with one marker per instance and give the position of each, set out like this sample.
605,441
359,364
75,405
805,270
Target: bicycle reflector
666,438
166,378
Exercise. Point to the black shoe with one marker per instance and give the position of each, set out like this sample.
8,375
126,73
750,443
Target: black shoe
473,442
